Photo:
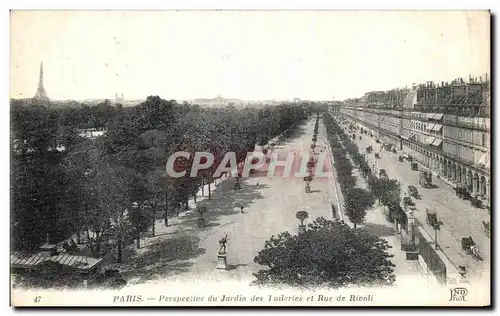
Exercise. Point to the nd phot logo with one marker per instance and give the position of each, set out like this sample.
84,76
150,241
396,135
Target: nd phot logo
458,294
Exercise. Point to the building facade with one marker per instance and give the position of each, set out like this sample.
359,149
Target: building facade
445,126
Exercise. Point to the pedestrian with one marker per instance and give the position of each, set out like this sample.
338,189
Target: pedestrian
241,208
257,185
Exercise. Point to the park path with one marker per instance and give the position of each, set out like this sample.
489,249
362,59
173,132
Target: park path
185,252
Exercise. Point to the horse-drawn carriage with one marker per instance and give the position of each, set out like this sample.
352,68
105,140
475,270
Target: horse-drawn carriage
360,138
469,246
425,178
476,201
389,147
401,158
412,191
462,192
414,166
431,218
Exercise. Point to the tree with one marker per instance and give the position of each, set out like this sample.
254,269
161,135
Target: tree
302,216
357,201
115,186
38,178
387,191
201,220
329,254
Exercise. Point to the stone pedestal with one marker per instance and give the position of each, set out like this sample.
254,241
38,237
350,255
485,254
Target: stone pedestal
221,262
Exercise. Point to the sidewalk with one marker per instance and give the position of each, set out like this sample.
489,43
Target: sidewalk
338,197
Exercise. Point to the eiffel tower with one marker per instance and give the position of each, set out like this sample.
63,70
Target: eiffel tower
40,92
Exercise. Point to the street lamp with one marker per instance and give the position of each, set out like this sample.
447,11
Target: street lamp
436,227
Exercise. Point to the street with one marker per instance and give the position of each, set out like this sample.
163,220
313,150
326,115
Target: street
459,218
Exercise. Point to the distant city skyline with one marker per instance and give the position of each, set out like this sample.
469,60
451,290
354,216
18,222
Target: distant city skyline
252,55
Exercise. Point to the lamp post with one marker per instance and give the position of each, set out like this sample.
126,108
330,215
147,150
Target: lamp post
436,228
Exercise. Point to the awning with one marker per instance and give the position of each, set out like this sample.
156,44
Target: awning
412,136
430,115
484,161
430,126
429,140
404,137
437,142
438,116
437,127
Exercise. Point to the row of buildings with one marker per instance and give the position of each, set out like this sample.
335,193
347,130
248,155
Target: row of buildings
445,126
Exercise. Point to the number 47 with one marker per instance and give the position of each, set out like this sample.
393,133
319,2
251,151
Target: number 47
37,299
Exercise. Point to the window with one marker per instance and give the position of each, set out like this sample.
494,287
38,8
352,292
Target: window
483,139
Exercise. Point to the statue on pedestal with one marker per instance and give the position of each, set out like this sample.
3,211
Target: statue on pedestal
223,243
221,255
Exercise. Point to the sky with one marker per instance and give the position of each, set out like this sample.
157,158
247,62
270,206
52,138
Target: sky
251,55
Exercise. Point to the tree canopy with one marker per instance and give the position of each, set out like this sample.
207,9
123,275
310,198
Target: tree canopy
329,254
112,186
357,202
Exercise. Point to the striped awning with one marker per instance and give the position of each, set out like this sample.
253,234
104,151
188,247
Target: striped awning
430,115
430,126
429,140
437,142
484,161
437,127
438,116
20,260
